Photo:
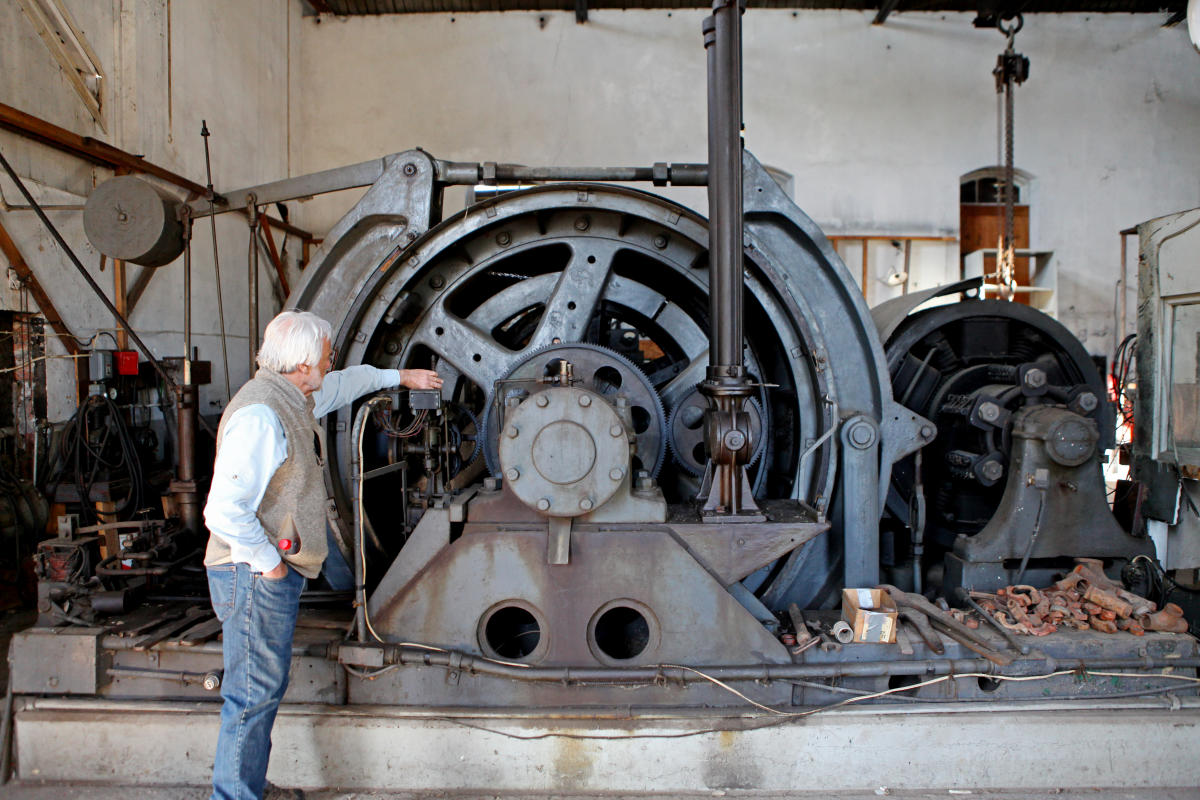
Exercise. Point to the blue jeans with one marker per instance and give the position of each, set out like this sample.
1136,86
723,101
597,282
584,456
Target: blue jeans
258,619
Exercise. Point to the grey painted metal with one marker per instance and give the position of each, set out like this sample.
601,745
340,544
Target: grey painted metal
594,368
56,661
1165,407
383,291
723,43
1044,746
564,451
860,510
1054,507
128,219
888,315
661,174
352,176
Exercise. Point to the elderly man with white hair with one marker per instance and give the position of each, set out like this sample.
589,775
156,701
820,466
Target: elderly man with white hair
267,516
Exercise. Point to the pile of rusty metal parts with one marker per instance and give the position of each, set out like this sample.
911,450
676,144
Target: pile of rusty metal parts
1085,598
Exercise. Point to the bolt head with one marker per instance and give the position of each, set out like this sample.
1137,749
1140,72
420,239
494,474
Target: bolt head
583,223
1035,378
586,504
542,401
437,281
615,431
512,473
991,470
861,435
735,440
543,504
585,400
616,473
503,238
928,431
512,432
660,241
1088,401
989,412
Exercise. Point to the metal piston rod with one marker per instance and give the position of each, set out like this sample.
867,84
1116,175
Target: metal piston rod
726,491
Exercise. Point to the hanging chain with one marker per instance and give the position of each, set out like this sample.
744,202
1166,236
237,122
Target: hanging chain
1011,68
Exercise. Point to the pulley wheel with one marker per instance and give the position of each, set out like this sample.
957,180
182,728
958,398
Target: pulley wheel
129,220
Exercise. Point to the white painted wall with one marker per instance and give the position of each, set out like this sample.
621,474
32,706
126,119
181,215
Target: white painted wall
876,123
169,64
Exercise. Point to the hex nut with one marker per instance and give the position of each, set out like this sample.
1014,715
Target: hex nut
1087,401
1035,378
512,473
989,412
543,504
616,473
585,400
586,504
991,470
512,432
615,431
542,401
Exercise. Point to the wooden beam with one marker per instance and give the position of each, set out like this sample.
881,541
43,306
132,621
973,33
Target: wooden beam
283,281
139,286
91,149
120,300
55,42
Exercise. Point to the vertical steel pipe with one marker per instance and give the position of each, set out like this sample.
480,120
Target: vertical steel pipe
723,41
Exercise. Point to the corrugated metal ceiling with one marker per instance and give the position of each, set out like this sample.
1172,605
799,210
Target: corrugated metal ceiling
983,7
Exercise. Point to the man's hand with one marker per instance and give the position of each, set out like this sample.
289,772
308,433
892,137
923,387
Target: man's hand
279,573
420,379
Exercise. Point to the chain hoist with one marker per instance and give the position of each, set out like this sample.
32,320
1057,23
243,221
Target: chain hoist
1011,68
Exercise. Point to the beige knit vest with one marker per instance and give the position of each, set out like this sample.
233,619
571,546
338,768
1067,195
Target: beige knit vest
295,502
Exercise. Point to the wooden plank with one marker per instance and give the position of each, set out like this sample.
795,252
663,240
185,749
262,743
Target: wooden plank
266,229
190,618
58,51
139,287
201,633
120,300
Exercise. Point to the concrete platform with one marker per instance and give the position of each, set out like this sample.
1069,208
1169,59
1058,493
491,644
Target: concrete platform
1134,745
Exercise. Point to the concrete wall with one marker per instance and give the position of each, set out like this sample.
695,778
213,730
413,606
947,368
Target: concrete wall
168,65
875,123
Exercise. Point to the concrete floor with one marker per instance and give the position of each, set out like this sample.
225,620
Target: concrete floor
22,790
31,791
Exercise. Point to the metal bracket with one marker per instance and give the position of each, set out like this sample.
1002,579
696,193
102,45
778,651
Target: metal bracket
860,500
558,543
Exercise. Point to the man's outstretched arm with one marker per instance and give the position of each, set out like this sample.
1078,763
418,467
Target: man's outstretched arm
344,386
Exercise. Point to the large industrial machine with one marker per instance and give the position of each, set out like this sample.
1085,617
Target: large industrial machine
665,445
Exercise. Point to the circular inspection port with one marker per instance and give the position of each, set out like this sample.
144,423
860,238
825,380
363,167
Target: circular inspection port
622,630
512,630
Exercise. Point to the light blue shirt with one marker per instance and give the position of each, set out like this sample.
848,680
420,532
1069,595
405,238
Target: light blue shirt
253,447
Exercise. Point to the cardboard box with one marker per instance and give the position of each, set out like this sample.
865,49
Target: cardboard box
872,614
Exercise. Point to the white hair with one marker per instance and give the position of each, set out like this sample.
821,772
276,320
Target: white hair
291,339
